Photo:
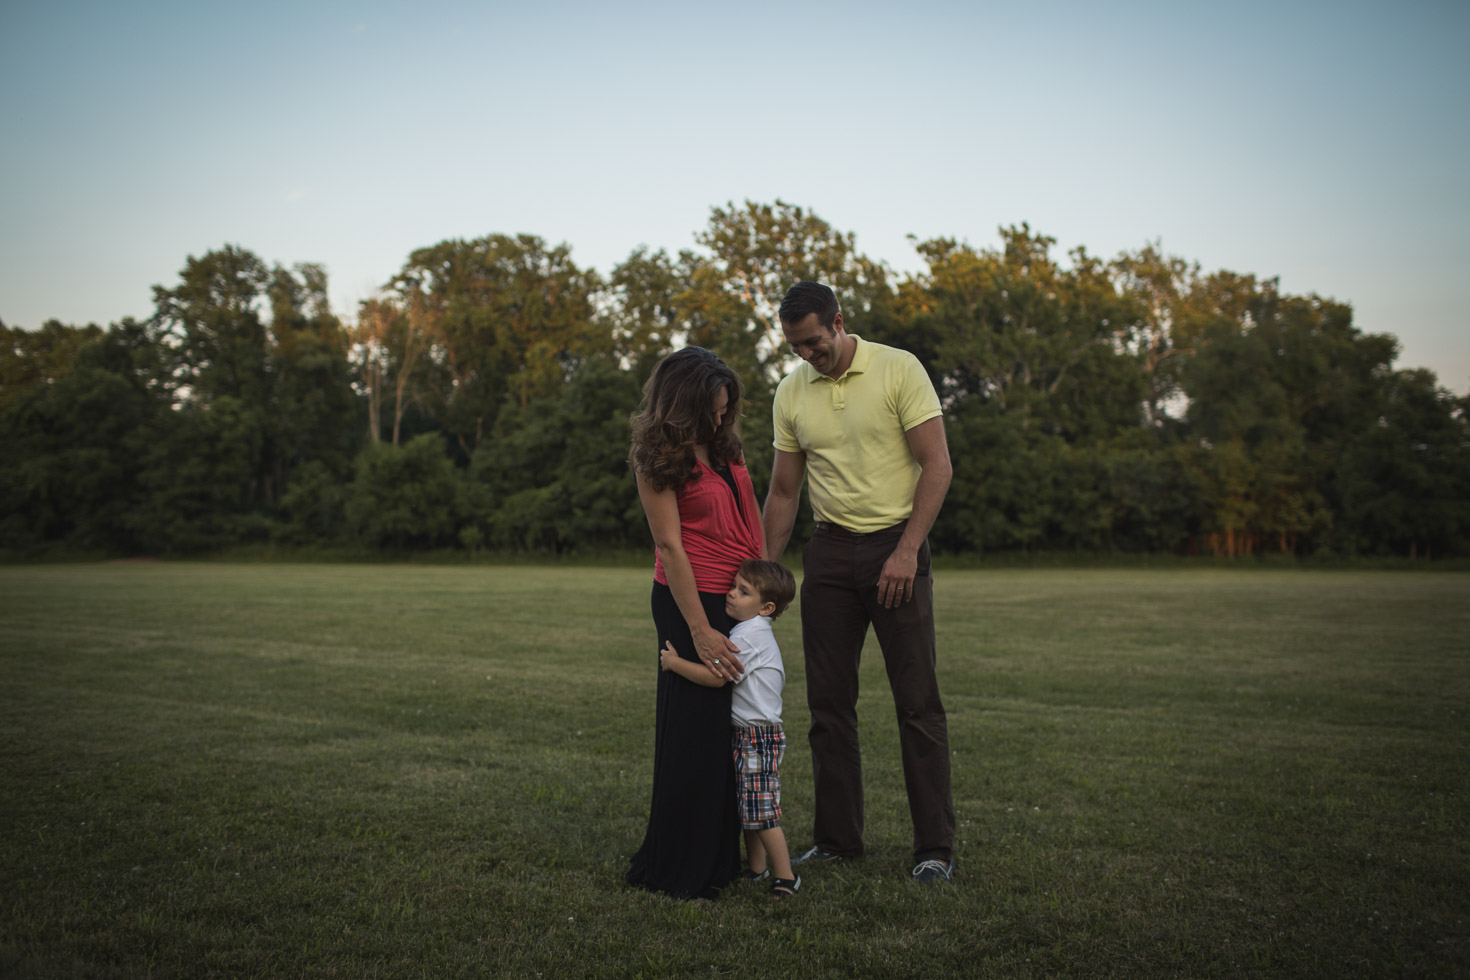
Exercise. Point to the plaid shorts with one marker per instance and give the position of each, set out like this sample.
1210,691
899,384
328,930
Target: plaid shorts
758,752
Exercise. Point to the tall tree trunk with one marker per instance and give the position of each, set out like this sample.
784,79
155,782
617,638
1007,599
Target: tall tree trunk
375,403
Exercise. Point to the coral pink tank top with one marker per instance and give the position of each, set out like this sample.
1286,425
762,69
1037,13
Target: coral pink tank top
718,532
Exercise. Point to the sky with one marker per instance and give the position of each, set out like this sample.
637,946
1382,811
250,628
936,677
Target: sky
1322,143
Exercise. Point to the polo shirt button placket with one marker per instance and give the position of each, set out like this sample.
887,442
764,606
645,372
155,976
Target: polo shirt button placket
839,394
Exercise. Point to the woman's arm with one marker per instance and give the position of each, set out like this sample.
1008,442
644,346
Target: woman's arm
662,510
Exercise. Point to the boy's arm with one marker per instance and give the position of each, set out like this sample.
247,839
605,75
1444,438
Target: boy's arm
690,671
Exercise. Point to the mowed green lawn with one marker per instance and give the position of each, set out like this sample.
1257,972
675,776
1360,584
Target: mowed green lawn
385,771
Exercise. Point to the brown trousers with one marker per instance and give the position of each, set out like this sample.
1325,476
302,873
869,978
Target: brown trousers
839,599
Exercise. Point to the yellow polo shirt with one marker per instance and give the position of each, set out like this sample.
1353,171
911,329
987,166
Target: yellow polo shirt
859,467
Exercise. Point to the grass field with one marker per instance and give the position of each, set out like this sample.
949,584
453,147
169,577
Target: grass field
402,771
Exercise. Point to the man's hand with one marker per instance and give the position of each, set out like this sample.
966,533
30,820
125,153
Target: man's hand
896,584
717,652
926,441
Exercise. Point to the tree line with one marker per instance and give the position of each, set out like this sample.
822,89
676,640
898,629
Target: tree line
481,401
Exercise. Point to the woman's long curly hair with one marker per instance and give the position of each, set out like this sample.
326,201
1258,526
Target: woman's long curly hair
677,414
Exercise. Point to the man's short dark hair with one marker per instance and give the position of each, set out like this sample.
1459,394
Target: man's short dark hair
806,298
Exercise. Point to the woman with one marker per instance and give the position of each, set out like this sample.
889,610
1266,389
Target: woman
701,509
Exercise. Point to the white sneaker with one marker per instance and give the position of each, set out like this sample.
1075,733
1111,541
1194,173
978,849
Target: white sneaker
816,856
932,871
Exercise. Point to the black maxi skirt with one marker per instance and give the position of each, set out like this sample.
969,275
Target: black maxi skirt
692,846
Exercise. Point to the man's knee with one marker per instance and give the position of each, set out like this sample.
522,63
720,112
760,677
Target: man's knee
924,715
832,715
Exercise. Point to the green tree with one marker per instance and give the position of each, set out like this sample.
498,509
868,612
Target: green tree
212,324
1403,485
1177,305
390,354
756,252
213,328
1154,505
643,314
1275,395
557,478
1043,343
994,501
315,415
505,315
406,496
196,480
35,357
314,505
73,444
1033,365
259,367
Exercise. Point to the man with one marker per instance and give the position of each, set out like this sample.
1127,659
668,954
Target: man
863,422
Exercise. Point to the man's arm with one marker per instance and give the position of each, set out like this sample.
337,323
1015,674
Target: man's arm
931,450
779,514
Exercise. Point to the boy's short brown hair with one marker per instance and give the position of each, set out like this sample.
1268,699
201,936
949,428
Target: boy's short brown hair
772,580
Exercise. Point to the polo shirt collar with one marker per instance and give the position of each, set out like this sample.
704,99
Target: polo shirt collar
860,358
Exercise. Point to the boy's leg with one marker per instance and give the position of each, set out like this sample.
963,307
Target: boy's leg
770,746
740,748
778,858
756,858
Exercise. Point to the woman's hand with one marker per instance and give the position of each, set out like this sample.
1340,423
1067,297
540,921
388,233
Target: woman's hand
717,652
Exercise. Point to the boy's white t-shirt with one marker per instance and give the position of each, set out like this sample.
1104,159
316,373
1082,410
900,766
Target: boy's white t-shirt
756,699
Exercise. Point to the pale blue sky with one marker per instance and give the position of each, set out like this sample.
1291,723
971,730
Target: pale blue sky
1324,143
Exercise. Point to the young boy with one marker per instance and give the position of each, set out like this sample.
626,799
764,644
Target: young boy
762,591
